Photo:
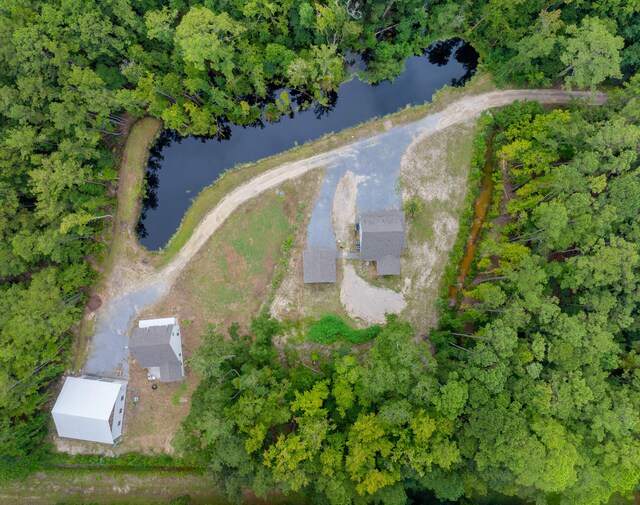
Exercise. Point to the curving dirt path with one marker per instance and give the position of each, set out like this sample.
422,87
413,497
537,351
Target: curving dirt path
145,287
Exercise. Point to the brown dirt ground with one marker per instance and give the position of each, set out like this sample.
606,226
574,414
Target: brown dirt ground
434,169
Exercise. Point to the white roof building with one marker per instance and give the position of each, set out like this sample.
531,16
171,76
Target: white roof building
90,408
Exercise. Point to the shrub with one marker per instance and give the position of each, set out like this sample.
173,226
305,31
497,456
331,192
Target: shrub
412,207
331,328
328,329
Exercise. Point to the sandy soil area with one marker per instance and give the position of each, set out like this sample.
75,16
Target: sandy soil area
367,302
343,212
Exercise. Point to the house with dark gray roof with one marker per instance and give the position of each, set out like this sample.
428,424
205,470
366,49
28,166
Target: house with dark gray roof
156,345
319,265
382,238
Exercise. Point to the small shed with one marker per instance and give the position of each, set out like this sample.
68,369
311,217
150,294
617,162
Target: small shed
382,238
156,344
319,265
90,408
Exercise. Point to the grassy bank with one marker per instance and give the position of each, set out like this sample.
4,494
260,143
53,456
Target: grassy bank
131,180
122,487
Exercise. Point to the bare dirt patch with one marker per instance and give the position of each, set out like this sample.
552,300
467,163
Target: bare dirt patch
94,303
434,170
343,212
365,301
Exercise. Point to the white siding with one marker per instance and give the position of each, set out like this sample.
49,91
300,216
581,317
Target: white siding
146,323
118,413
83,428
176,344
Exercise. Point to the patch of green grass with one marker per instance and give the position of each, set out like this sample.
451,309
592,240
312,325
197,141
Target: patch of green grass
182,389
107,487
224,276
257,232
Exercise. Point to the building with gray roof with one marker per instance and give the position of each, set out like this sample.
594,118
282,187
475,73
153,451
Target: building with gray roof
382,238
156,345
319,265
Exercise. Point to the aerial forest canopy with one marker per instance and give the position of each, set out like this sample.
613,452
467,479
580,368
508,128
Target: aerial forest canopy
75,74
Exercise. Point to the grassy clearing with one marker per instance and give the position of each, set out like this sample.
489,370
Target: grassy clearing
240,259
436,173
234,178
112,487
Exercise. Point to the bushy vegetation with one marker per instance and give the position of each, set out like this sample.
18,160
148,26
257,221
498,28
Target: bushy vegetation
546,336
350,431
331,328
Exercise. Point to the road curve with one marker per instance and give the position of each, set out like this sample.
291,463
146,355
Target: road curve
109,347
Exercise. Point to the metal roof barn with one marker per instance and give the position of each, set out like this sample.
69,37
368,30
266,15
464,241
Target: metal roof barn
90,408
319,265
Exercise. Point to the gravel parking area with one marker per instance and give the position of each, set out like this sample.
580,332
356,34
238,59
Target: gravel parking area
367,302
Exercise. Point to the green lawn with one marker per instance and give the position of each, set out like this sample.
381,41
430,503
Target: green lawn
241,252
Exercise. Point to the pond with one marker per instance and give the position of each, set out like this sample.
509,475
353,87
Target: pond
179,168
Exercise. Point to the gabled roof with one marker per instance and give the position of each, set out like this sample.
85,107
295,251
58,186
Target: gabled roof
319,265
383,221
171,372
151,346
382,234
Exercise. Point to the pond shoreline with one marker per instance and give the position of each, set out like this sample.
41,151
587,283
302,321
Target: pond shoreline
180,168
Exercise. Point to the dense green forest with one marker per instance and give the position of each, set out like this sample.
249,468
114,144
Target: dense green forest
75,74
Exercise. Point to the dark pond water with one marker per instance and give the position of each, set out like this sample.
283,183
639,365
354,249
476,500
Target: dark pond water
179,168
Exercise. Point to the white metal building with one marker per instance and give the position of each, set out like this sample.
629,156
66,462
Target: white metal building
90,408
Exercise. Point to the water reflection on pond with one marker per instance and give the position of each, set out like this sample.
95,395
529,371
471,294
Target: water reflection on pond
179,168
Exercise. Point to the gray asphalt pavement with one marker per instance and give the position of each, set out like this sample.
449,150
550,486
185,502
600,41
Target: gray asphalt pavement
378,160
109,352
